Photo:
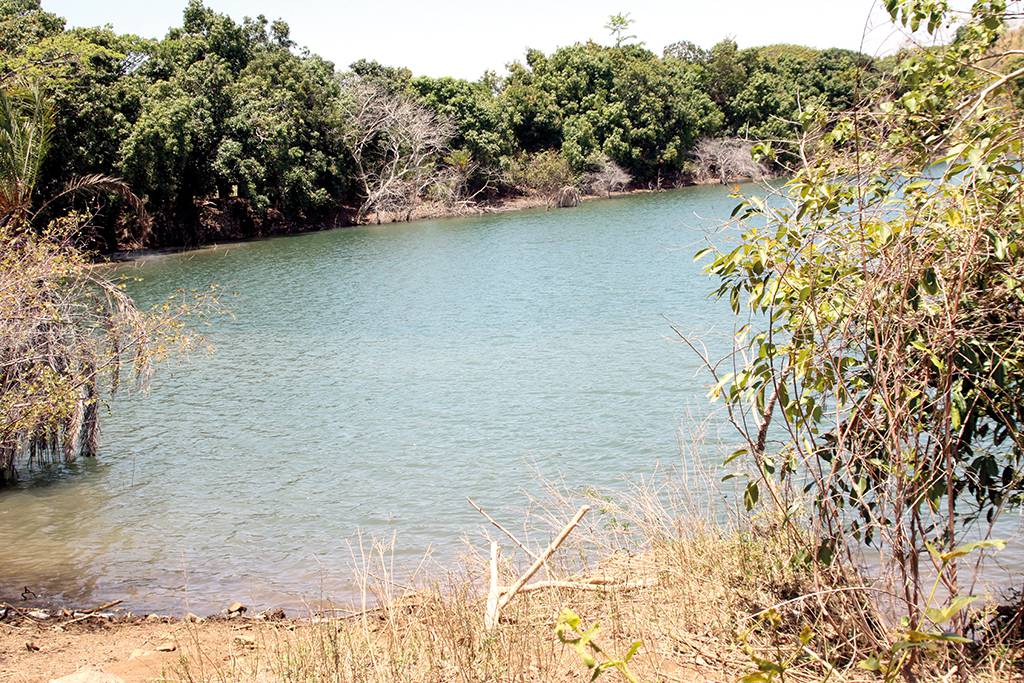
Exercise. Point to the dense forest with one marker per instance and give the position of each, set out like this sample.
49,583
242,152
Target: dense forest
230,129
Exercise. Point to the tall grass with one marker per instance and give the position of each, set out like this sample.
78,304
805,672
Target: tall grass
710,596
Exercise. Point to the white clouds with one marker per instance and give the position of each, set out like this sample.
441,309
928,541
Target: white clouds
464,38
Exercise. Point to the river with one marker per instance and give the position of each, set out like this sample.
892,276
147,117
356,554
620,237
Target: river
367,381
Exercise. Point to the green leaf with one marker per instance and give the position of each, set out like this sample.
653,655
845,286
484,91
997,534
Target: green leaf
961,551
751,495
870,664
945,614
735,454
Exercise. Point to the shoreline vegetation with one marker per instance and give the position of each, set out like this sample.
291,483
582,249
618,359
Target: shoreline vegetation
426,211
230,130
704,600
875,384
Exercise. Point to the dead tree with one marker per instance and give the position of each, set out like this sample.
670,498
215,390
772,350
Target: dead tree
725,160
607,178
395,144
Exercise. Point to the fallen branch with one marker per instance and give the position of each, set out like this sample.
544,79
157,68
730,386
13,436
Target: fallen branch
528,574
498,598
502,529
92,612
599,585
493,610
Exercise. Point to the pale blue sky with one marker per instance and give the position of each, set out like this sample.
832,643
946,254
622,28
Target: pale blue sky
463,38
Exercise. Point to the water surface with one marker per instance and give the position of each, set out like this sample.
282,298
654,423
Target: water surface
369,380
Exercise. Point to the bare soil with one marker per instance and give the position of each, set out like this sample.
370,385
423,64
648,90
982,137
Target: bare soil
137,650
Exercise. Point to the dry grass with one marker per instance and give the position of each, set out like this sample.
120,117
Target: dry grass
698,613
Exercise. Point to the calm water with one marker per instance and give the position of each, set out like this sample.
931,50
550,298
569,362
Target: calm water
369,380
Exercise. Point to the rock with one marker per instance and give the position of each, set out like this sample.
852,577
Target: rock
153,617
167,646
236,608
274,614
246,641
39,614
31,647
193,618
88,676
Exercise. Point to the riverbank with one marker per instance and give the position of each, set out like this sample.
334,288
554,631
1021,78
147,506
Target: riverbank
230,231
683,600
703,603
435,210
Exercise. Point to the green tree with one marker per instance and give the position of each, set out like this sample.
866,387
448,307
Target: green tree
887,295
618,27
687,51
473,109
24,23
726,73
65,330
625,103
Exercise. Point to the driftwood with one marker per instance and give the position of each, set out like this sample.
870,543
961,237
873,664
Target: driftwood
94,611
493,609
498,598
589,585
502,529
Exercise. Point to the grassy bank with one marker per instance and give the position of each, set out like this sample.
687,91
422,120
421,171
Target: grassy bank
707,601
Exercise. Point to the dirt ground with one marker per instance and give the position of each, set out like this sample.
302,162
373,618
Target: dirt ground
133,651
146,651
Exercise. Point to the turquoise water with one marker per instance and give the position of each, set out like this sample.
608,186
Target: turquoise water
370,379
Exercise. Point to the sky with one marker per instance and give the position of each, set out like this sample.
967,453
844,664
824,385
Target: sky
464,38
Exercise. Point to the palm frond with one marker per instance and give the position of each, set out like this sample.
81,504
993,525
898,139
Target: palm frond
26,133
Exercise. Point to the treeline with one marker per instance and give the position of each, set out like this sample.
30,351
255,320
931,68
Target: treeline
229,129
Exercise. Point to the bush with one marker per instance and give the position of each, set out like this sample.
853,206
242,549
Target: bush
884,351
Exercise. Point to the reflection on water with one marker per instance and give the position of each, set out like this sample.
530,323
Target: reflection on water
369,380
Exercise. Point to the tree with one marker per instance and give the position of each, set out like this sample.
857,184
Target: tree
23,23
617,27
228,114
642,112
395,144
726,73
607,177
887,294
475,113
279,148
66,331
688,52
726,160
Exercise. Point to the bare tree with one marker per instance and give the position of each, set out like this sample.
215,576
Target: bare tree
607,178
395,144
726,160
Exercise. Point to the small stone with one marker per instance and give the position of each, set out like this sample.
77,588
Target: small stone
236,608
31,647
39,614
246,641
193,618
167,646
153,617
275,614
